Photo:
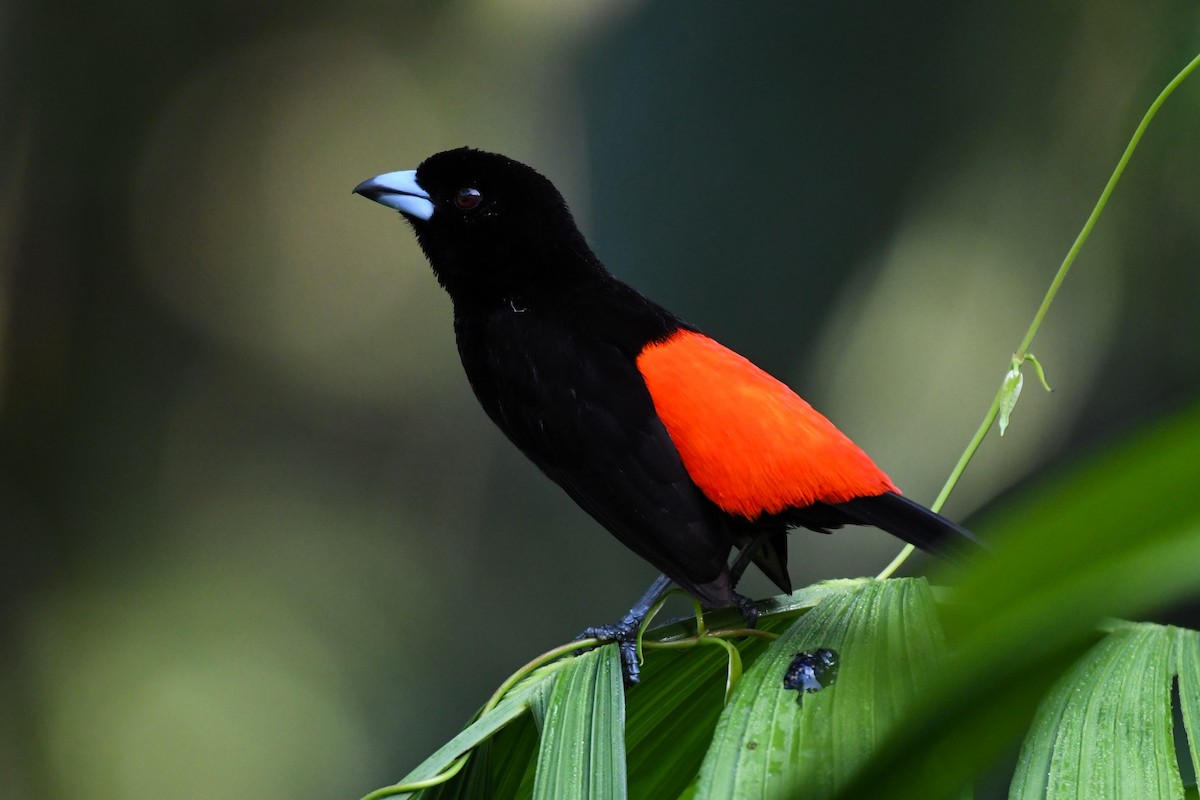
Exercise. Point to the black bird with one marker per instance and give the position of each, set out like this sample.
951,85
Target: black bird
678,446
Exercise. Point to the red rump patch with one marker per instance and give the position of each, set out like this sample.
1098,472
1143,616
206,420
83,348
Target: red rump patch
750,443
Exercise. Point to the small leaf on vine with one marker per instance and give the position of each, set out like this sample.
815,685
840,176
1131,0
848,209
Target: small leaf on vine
1037,365
1010,391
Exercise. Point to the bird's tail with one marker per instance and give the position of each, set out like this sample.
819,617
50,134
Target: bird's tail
914,524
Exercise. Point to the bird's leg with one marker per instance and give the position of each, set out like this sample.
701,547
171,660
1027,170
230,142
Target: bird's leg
624,632
744,604
745,556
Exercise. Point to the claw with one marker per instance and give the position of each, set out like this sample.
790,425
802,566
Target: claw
630,669
748,609
624,633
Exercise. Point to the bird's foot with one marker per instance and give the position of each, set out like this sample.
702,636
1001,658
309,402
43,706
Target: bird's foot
746,606
625,635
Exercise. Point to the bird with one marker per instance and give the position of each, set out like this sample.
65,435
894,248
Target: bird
680,447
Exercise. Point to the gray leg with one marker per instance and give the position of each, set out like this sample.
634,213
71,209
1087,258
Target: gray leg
624,633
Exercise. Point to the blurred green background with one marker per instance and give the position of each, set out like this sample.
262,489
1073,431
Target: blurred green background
257,538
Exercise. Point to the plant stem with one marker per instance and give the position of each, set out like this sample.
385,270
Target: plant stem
1101,202
1023,349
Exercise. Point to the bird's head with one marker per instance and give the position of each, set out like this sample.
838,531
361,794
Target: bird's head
490,226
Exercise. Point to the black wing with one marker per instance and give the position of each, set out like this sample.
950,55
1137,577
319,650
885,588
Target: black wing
579,409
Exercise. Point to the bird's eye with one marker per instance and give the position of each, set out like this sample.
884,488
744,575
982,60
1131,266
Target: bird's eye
467,198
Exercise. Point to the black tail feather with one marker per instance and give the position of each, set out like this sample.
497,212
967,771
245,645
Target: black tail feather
914,524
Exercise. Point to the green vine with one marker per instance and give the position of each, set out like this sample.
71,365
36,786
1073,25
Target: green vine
1010,386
